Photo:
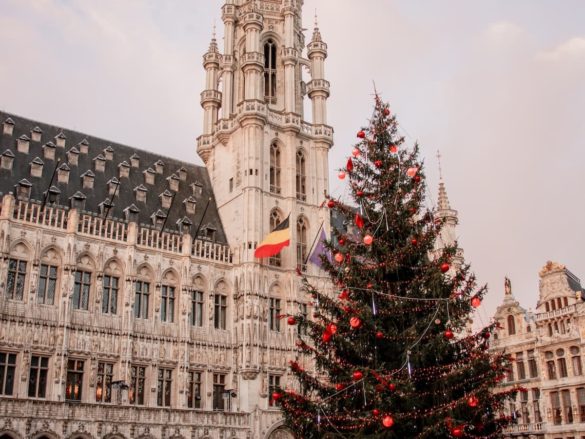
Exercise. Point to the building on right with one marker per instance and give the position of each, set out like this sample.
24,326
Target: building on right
548,347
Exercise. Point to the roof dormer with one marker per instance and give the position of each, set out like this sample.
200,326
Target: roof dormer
196,188
7,160
109,153
140,193
184,225
113,186
124,169
166,198
77,200
8,127
159,166
22,144
99,163
182,172
158,218
83,146
131,213
36,134
190,204
23,189
49,151
87,179
52,195
63,174
173,182
135,160
105,207
73,156
36,167
60,140
149,175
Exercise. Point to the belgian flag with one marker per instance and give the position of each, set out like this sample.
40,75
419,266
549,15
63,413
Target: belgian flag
275,241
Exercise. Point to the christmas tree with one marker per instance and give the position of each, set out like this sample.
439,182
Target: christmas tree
392,357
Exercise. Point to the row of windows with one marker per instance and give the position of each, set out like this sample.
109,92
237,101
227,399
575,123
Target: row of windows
107,390
300,174
302,227
562,408
552,305
526,367
528,409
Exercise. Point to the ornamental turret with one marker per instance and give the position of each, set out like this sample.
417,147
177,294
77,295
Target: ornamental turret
318,87
211,96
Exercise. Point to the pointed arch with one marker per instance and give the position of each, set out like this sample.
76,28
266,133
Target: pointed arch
113,273
275,166
168,293
9,434
276,217
19,264
301,174
270,62
50,275
511,325
220,304
142,290
302,242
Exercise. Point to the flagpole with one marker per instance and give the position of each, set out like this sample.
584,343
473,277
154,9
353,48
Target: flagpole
313,244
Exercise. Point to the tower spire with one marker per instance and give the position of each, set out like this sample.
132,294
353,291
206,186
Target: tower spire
316,32
443,200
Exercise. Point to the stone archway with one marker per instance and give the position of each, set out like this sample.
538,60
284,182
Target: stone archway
281,433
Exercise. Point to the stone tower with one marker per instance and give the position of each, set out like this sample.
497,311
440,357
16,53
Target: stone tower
266,162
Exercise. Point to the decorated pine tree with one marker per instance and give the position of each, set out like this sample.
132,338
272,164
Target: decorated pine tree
390,356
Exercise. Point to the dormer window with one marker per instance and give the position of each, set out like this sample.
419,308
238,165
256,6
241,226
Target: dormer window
208,233
22,144
83,146
131,213
109,153
73,156
23,189
173,182
36,134
166,199
190,204
270,71
135,160
88,179
197,189
149,176
124,169
105,207
49,151
63,173
100,163
140,192
158,218
60,140
53,195
77,200
7,160
113,186
159,166
184,225
36,167
8,127
182,173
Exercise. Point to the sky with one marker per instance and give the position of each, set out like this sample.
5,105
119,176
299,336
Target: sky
497,86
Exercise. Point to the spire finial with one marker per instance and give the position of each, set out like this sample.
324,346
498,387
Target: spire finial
443,203
439,162
316,33
316,20
213,35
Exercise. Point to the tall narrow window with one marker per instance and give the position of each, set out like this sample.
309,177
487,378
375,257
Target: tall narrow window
7,373
511,325
275,168
194,390
301,244
274,315
581,403
37,378
16,279
552,371
218,391
536,405
74,384
532,364
142,296
110,295
137,381
270,72
165,382
47,284
273,386
520,365
301,180
555,403
562,367
220,311
275,220
576,360
167,306
81,290
197,308
103,389
524,408
567,408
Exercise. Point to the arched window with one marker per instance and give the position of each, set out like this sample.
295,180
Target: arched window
142,293
511,325
110,287
220,306
18,265
270,72
275,220
48,277
274,168
274,309
301,243
83,280
301,176
167,297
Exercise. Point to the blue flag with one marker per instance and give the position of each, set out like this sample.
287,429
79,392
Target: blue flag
319,250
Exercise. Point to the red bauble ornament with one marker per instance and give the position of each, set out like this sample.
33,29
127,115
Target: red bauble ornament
355,322
326,337
392,387
445,267
349,165
368,239
356,152
386,112
416,178
344,295
449,334
357,375
376,412
472,401
341,175
330,204
393,149
457,431
388,421
360,193
332,328
486,335
378,163
414,241
339,257
359,221
292,321
379,335
341,241
475,302
361,134
276,396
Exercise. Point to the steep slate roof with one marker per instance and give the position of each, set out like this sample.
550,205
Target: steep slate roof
125,196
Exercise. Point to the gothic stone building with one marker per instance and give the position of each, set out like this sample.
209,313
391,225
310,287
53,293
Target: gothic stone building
548,346
131,304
